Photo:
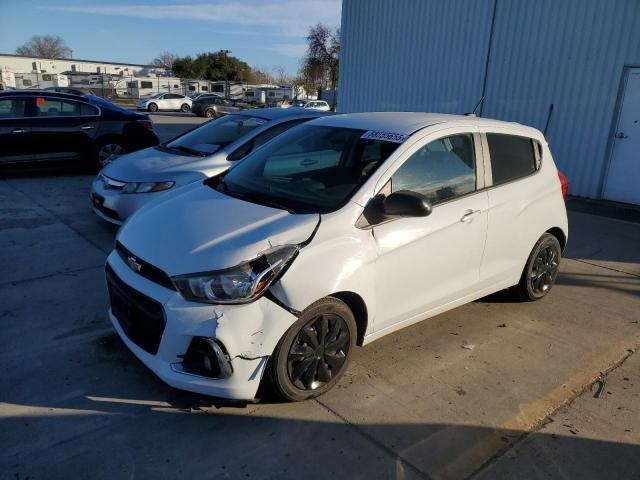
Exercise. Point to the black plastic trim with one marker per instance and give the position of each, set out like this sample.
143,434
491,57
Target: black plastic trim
147,270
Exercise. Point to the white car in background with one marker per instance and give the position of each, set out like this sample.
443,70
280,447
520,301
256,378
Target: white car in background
313,104
165,101
337,232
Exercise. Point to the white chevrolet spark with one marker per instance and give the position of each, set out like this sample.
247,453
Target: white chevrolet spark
332,235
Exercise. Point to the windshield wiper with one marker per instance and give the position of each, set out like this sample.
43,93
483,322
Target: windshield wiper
250,197
190,151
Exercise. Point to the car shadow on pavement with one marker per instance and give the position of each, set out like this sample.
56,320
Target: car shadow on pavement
159,436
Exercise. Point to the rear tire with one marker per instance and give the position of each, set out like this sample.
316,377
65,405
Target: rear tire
315,352
185,108
210,113
541,270
106,151
152,107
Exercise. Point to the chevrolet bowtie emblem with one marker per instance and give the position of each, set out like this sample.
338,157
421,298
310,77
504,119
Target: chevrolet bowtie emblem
134,264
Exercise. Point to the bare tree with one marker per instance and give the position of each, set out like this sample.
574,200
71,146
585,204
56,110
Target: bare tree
45,46
165,60
280,76
261,76
320,66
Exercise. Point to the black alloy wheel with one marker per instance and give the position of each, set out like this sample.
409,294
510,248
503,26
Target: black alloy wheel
545,270
315,352
541,270
318,352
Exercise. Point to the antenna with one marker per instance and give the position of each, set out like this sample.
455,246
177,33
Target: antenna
473,113
546,127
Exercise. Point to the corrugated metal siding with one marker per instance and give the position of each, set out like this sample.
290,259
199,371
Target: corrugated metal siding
406,54
430,55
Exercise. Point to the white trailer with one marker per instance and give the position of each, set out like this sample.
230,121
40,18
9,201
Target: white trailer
7,79
144,86
41,80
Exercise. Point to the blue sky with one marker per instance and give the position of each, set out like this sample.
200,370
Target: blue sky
262,33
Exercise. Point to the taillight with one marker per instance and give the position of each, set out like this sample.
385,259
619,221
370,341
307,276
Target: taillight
148,124
564,183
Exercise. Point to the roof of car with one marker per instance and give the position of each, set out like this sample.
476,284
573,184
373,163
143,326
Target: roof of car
32,92
277,113
404,123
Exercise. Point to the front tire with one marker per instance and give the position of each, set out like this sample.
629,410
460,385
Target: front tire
541,270
152,107
315,352
185,108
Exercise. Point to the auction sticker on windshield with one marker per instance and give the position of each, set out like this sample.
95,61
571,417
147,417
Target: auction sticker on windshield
387,136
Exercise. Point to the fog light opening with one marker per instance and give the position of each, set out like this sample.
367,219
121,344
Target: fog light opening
206,358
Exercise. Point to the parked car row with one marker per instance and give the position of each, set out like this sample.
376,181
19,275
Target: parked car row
264,246
209,105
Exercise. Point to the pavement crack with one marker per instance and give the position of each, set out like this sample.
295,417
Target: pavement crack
602,266
375,441
50,275
549,417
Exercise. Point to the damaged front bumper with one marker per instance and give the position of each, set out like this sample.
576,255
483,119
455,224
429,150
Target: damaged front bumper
241,337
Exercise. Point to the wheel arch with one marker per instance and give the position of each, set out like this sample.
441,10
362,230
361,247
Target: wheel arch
359,309
560,235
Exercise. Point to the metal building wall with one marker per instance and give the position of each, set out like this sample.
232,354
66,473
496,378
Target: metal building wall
405,55
430,55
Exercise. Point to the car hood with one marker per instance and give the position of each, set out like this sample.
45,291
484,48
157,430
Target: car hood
152,164
197,229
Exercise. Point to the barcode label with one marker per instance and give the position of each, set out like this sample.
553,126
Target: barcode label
386,136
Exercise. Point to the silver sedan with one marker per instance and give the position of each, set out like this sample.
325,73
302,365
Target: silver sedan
133,180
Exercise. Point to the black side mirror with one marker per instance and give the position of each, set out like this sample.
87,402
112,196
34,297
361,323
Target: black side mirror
405,203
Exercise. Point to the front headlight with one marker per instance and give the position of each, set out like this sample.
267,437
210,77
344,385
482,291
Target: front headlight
145,187
241,284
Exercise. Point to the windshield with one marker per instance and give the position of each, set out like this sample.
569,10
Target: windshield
212,136
307,169
300,103
155,95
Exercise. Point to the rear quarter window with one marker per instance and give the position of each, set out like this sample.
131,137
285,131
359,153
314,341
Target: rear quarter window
12,107
512,157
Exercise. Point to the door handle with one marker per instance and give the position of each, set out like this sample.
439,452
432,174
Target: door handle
18,130
621,135
87,127
307,161
469,216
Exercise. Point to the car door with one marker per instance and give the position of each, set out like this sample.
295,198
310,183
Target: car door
16,133
63,129
174,100
428,262
517,203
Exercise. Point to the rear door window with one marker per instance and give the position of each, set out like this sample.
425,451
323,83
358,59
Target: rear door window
55,107
13,107
88,110
512,157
